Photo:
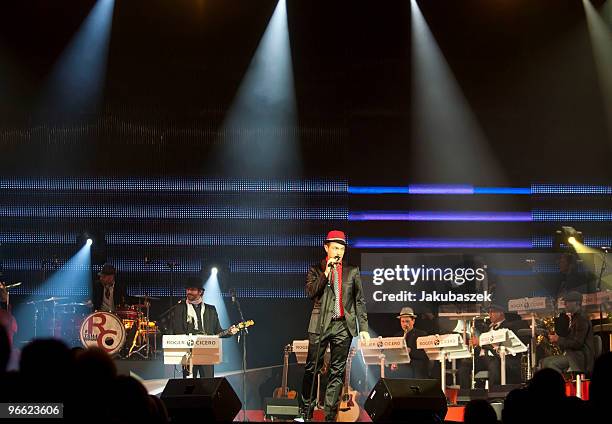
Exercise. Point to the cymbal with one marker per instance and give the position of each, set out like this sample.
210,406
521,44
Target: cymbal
54,298
140,296
88,303
51,299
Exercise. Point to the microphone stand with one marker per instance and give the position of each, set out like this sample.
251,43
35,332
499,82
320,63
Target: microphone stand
171,265
601,271
242,332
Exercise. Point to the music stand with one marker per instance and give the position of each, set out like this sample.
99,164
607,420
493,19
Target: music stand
530,308
199,349
443,347
506,342
300,349
379,350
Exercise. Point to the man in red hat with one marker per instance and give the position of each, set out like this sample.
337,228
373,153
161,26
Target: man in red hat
338,314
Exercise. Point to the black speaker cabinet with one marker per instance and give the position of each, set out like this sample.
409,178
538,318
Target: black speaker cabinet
406,400
208,399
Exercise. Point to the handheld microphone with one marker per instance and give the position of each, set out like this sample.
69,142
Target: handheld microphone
333,264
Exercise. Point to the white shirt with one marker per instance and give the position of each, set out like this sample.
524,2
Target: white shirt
108,303
191,315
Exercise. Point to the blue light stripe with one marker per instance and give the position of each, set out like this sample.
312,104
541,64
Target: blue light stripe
440,189
440,216
430,243
437,189
378,190
37,238
570,189
502,190
193,185
172,212
540,215
214,239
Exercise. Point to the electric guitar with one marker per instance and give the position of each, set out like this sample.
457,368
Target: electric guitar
348,411
283,391
240,326
187,360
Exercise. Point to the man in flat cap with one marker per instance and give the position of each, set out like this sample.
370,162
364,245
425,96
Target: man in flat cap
419,362
577,347
338,314
193,316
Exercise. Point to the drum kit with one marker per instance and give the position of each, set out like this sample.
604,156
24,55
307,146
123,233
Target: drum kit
126,332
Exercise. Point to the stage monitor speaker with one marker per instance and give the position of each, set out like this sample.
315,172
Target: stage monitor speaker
403,399
208,399
281,408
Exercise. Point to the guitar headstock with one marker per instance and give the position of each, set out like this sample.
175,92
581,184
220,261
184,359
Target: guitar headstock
245,324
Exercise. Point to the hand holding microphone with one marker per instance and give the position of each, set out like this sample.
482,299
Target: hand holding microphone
331,263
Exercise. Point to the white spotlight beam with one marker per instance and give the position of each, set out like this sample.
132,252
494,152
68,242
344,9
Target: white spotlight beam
232,358
77,80
600,32
449,144
264,108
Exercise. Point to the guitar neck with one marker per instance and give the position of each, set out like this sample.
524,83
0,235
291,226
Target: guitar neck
285,372
347,375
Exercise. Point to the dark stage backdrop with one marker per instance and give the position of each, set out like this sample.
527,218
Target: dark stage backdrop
144,174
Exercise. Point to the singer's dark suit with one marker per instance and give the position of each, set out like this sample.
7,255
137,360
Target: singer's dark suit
337,333
210,324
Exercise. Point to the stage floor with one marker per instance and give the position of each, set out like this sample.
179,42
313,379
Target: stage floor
155,387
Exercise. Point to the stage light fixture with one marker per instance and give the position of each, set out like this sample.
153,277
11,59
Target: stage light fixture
567,236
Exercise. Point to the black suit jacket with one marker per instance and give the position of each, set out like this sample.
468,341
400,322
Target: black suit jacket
211,323
353,301
578,346
119,294
411,342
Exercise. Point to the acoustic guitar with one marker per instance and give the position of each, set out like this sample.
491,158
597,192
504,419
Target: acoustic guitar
283,391
348,411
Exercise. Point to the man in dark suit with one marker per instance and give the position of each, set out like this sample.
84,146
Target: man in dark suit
419,362
193,316
106,294
577,347
338,315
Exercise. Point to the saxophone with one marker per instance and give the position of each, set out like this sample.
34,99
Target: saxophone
548,348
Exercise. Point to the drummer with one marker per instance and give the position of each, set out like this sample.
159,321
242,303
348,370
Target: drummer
107,295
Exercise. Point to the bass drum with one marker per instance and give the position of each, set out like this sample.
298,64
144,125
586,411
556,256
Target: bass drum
103,330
